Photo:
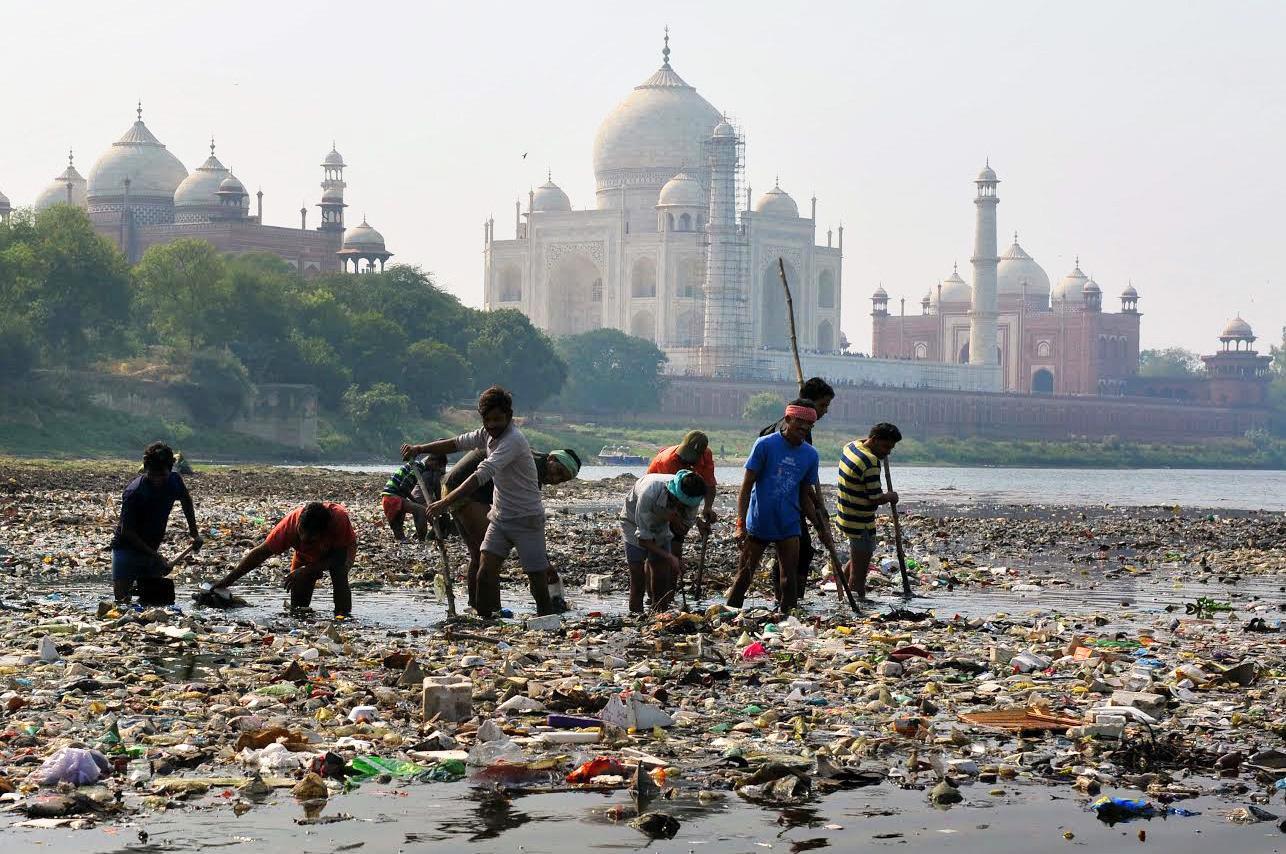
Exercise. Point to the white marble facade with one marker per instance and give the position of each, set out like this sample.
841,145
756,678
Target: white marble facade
636,261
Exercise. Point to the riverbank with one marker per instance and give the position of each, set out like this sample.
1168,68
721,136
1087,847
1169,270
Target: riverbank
828,729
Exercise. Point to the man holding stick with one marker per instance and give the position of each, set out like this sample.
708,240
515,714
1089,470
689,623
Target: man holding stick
859,494
145,513
776,495
517,517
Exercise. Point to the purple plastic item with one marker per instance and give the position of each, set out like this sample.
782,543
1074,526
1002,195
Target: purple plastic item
571,721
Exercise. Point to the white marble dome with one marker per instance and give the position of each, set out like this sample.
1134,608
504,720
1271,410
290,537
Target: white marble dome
954,290
55,193
362,236
153,171
1016,269
777,202
333,158
682,191
200,188
1071,288
550,197
1237,328
658,130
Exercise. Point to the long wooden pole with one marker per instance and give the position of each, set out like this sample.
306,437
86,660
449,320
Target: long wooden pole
897,531
437,535
790,316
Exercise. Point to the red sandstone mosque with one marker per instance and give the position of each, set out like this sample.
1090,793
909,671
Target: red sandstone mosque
139,194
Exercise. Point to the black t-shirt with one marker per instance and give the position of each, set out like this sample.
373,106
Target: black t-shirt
145,509
468,464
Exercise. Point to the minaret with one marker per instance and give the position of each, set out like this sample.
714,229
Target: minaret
724,332
982,317
332,201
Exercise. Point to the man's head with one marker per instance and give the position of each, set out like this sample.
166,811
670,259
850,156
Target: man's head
313,522
801,414
496,408
820,393
693,447
882,438
564,465
686,488
158,462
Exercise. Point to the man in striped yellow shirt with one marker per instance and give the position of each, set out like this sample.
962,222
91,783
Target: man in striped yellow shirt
859,494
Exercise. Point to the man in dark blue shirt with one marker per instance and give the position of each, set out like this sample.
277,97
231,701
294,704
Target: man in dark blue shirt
145,513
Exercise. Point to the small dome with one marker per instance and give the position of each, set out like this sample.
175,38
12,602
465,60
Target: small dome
987,174
1091,287
1130,292
682,191
954,290
232,185
723,129
153,172
1018,271
880,293
334,158
550,197
55,193
1071,289
777,202
200,188
1237,328
363,237
333,195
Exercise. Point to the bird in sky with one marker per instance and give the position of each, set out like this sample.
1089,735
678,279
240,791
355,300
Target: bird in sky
524,155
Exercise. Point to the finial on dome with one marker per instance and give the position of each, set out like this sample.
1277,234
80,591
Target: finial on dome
665,51
549,175
1077,262
1015,235
988,162
139,111
955,267
211,145
71,158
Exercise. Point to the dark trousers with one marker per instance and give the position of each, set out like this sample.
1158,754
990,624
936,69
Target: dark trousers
806,555
301,587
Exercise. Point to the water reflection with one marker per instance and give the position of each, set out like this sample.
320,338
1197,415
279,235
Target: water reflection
495,813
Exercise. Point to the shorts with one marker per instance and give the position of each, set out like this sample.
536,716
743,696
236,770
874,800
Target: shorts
526,534
767,542
129,565
392,505
861,541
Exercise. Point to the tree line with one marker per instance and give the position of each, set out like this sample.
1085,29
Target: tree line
379,347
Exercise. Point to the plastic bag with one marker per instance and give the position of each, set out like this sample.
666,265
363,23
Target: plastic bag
74,765
366,767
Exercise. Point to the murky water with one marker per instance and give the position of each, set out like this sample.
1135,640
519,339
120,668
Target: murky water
1230,490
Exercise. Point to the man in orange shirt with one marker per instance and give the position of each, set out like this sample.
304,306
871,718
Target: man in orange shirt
322,536
692,453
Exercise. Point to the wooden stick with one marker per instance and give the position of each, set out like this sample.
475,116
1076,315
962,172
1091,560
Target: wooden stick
842,580
701,568
437,533
790,316
897,531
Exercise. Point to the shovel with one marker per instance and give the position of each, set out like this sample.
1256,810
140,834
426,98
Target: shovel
439,537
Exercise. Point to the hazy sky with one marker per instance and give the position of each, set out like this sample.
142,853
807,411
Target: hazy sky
1147,137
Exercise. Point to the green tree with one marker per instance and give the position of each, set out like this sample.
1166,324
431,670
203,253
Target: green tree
374,348
182,289
378,411
1277,386
17,352
256,320
1169,362
218,387
507,350
609,371
312,360
433,375
66,284
763,408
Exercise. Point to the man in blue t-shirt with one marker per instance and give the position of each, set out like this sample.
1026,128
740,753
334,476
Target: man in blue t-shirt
776,495
145,513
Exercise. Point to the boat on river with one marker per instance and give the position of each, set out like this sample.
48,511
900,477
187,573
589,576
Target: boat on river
619,455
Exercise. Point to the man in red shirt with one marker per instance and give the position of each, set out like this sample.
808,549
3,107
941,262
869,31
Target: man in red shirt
692,453
324,542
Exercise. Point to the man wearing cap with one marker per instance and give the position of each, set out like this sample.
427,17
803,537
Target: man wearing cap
692,453
654,504
776,495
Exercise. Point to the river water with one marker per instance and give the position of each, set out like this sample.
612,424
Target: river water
1213,488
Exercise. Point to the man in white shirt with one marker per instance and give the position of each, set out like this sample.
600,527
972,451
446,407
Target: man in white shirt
517,517
652,507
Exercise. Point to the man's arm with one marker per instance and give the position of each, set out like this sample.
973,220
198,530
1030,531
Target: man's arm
743,502
815,512
467,488
252,560
438,446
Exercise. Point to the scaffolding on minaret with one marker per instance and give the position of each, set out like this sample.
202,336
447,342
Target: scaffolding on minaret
725,345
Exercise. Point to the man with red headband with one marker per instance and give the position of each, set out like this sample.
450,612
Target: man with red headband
776,495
